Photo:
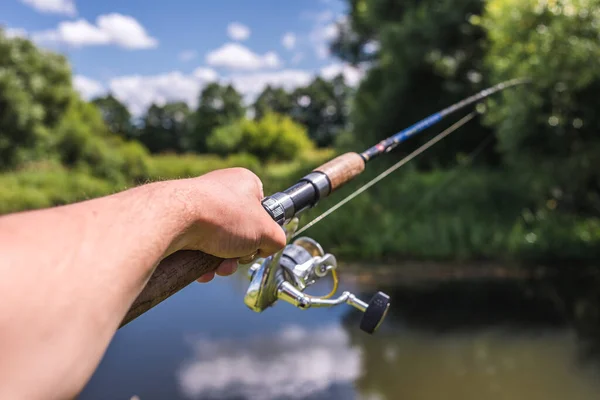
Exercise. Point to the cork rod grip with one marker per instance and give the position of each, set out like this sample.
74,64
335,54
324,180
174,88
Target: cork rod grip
170,276
342,169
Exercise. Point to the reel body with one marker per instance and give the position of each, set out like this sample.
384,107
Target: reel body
286,274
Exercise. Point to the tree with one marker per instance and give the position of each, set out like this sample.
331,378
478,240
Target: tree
429,56
42,117
549,130
274,137
322,107
116,116
218,106
272,100
35,92
83,141
166,128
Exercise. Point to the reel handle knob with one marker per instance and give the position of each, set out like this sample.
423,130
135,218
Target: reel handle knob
375,312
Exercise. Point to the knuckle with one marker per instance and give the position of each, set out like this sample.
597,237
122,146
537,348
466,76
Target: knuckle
254,182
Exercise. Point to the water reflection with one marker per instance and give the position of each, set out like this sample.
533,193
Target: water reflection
441,341
490,365
294,363
489,340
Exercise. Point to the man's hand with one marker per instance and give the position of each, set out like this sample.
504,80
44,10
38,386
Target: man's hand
225,218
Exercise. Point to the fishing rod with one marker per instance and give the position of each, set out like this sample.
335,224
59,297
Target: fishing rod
286,274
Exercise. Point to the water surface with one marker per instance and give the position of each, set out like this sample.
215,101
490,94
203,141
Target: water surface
450,341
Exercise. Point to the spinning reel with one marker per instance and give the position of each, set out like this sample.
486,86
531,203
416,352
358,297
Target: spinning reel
286,274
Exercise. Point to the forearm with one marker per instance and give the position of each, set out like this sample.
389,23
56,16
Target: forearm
82,265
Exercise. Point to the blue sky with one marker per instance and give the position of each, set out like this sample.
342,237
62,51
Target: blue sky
156,51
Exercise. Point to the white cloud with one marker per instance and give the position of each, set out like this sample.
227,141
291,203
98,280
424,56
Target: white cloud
65,7
138,92
237,31
74,33
15,32
237,369
126,31
88,88
351,74
250,85
205,74
288,40
188,55
325,30
330,31
121,30
236,56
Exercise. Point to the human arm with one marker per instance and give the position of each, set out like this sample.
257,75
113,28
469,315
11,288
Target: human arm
69,274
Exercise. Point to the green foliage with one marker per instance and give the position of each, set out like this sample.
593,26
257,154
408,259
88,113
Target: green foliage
83,141
556,238
444,215
166,128
171,166
35,90
323,108
230,138
53,185
551,128
453,215
116,116
273,100
218,106
273,137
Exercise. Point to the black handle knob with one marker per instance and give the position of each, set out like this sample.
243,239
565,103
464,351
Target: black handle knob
375,312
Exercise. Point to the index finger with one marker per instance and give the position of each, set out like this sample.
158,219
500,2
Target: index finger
272,238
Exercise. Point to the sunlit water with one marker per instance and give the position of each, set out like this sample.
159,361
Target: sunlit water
204,343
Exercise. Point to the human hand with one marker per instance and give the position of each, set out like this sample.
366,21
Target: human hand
225,218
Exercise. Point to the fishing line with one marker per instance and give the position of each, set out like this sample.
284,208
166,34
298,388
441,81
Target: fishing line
390,143
388,171
456,172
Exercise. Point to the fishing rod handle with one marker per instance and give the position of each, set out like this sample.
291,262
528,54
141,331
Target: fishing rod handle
170,276
342,169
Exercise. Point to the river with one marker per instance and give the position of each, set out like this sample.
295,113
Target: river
445,341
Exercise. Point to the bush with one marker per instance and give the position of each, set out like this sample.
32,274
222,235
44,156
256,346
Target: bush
272,138
444,215
555,238
172,166
33,189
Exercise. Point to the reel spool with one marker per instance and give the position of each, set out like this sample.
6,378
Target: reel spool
286,274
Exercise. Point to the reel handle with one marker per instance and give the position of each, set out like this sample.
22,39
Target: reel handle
375,313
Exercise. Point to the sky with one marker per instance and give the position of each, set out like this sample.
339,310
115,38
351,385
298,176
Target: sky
157,51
